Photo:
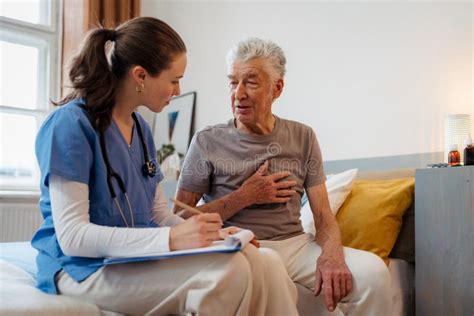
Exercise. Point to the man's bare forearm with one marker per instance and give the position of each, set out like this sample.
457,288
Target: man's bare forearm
328,235
258,189
226,206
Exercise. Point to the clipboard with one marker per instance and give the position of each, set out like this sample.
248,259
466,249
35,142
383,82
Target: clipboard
230,244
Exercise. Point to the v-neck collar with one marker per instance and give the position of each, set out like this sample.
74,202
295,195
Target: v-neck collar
132,139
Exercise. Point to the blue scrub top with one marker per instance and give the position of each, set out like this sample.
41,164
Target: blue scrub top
68,146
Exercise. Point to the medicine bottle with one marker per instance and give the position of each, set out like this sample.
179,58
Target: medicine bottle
454,157
469,152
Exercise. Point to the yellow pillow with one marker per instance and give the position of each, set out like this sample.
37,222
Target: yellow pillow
371,217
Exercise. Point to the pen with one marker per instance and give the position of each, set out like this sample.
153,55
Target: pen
186,206
189,208
254,241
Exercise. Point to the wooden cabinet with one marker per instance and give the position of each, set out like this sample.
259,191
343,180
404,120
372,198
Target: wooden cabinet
444,241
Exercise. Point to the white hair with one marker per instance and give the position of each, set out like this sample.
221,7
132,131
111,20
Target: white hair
257,48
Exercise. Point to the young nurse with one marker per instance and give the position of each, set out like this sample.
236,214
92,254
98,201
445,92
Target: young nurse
100,194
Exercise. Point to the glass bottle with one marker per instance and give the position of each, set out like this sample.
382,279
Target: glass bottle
454,157
469,152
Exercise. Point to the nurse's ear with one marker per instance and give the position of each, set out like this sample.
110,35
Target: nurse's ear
138,75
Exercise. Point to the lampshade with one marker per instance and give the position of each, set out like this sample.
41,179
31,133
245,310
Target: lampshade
456,129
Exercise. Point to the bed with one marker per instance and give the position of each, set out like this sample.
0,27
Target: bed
19,296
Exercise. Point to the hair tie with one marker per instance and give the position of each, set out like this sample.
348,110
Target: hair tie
112,35
109,46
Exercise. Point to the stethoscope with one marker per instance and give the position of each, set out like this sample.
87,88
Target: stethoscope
149,168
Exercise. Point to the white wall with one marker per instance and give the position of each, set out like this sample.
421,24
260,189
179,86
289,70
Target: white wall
372,78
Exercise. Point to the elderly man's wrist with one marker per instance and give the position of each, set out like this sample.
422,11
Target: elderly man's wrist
244,198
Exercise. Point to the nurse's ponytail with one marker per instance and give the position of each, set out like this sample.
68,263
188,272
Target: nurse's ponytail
92,78
106,56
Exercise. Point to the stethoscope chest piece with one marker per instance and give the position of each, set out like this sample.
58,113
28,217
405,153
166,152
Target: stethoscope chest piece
149,168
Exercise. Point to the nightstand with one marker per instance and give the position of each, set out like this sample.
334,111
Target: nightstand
444,241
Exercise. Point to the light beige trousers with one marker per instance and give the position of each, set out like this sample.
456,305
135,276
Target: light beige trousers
370,294
250,282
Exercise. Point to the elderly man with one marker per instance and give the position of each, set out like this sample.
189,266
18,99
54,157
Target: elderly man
253,170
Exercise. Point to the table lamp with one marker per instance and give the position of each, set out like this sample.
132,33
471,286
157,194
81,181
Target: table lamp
456,129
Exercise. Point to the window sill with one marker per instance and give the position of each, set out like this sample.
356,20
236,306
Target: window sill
19,196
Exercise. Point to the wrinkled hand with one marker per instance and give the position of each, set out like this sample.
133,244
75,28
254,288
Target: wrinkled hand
224,232
334,278
197,231
262,189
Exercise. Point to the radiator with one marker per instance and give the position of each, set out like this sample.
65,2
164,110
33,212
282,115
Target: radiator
19,220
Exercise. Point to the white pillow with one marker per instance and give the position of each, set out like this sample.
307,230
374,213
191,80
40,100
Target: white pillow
338,186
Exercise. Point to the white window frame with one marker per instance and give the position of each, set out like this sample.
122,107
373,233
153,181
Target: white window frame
47,38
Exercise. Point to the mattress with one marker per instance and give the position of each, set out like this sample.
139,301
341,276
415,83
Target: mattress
19,296
18,293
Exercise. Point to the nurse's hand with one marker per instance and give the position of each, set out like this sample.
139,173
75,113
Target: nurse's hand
197,231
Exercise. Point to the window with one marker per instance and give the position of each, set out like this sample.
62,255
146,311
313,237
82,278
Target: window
30,63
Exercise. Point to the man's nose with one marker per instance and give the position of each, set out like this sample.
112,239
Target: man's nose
240,92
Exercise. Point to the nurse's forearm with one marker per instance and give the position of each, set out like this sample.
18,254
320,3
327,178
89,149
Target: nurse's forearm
161,214
78,237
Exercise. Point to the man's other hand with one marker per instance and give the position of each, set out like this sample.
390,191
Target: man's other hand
333,278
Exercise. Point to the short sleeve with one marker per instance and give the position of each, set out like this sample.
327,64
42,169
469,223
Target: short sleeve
197,168
314,164
64,145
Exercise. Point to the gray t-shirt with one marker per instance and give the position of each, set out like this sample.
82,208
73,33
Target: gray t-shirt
221,158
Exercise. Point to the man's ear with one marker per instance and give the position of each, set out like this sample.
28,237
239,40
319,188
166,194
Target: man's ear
138,74
278,88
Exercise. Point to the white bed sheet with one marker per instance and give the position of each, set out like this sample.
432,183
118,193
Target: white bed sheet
19,296
402,275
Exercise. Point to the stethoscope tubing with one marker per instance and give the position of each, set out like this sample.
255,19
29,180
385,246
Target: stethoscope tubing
149,169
